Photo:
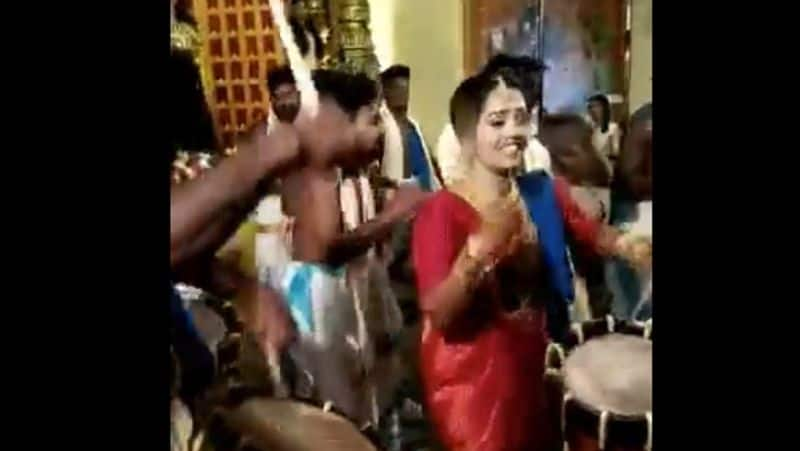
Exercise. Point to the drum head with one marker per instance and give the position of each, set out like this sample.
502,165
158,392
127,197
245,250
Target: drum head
284,425
612,373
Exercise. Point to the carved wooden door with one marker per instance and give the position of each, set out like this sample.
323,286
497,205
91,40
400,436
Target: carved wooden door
240,44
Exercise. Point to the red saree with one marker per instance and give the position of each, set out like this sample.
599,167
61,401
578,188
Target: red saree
483,377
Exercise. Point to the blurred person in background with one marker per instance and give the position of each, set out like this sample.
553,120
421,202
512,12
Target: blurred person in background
631,207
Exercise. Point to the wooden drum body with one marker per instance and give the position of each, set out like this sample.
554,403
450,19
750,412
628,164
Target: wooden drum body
267,424
240,411
600,386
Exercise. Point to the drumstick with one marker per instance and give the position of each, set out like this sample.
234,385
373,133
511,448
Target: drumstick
363,336
273,361
309,98
309,101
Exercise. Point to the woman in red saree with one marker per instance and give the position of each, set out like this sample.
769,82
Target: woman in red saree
490,256
475,251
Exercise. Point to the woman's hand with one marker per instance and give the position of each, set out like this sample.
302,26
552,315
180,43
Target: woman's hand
527,234
494,239
637,250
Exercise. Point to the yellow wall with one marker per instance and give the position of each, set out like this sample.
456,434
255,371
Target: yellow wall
641,88
426,35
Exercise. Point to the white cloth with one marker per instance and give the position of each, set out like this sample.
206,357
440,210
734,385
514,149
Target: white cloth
326,350
394,159
180,426
376,307
272,249
536,156
606,143
271,119
448,154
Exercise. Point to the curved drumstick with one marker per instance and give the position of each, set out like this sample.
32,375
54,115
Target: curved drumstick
309,98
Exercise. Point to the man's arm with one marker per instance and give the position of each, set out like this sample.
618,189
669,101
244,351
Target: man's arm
342,247
214,235
354,243
213,275
587,231
259,307
325,224
228,190
634,167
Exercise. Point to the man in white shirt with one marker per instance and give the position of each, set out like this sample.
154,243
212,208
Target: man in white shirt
415,160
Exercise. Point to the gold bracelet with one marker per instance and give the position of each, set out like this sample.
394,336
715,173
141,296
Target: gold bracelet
470,269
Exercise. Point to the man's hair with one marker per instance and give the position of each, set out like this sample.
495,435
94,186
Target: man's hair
502,60
559,133
470,96
183,12
350,92
395,72
299,31
277,76
192,127
605,105
561,120
527,69
552,123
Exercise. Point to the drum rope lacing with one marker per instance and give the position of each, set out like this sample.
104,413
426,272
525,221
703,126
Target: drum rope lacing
611,324
577,328
567,398
602,430
549,369
647,327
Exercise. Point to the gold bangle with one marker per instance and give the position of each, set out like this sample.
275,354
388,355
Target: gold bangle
470,269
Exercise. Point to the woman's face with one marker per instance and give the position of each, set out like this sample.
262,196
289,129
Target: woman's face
369,132
596,111
503,127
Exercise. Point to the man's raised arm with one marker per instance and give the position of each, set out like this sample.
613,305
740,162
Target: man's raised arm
230,187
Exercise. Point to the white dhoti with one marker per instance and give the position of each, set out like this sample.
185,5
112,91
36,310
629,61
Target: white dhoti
327,350
180,426
272,241
378,314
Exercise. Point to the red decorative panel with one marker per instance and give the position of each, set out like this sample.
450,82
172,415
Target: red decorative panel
240,46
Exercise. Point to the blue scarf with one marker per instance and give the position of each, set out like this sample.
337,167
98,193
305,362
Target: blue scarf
417,159
536,189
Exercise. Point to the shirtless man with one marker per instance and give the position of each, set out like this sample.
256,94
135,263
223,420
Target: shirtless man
314,283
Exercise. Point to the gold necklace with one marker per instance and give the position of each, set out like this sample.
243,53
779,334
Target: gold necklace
488,209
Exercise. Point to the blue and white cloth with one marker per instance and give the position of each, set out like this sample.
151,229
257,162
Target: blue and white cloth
327,351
